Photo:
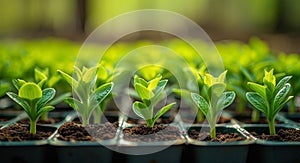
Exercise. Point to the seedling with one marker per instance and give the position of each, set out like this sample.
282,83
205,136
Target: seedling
214,100
33,100
89,97
270,97
42,77
150,93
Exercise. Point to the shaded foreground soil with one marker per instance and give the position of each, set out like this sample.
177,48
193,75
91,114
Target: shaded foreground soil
284,135
18,132
71,131
143,133
221,137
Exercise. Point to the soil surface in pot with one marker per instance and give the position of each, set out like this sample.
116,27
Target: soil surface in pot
222,119
162,120
51,121
71,131
110,119
220,137
18,132
284,135
144,133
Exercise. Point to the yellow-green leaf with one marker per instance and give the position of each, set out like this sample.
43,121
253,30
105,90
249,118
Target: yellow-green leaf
30,91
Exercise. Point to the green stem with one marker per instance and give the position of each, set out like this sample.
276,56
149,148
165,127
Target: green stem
33,127
200,117
213,132
241,106
255,115
292,107
272,126
97,116
44,116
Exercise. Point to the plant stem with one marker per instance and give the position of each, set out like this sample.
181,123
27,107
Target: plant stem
292,107
97,116
200,117
33,126
44,116
213,132
272,126
241,106
255,115
85,121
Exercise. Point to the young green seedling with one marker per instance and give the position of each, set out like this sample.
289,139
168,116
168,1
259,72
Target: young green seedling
270,97
89,97
33,100
214,100
42,77
150,94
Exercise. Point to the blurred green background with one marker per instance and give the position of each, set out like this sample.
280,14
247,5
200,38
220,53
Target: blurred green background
275,21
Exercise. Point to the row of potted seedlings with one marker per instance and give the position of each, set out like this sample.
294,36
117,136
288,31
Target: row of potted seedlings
94,133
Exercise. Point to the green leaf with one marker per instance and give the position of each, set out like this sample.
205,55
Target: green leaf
48,94
142,110
102,73
281,83
217,89
40,75
259,89
30,91
281,95
4,87
257,101
75,104
153,83
90,75
143,92
160,86
24,104
163,110
102,92
137,79
18,83
269,80
68,79
277,108
201,103
44,110
225,100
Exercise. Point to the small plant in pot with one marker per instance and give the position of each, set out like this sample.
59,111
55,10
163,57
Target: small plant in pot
270,98
87,99
150,93
212,101
34,101
42,77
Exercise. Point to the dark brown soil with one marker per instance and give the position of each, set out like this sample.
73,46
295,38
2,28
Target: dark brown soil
51,121
284,135
144,133
110,119
220,121
71,131
18,132
221,137
248,120
162,120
